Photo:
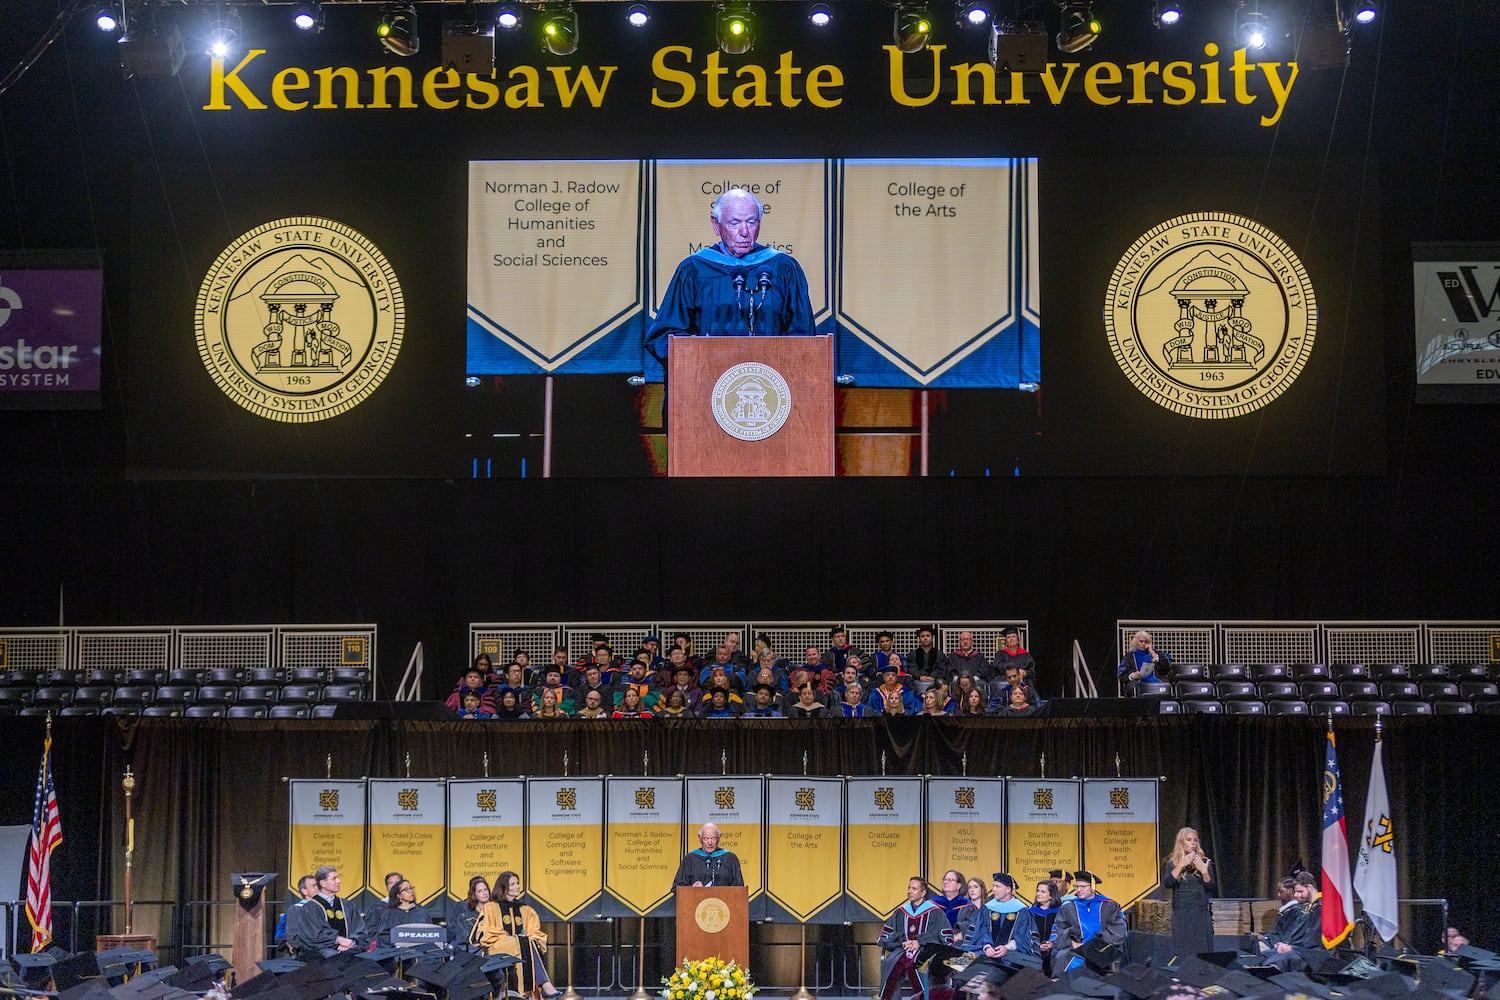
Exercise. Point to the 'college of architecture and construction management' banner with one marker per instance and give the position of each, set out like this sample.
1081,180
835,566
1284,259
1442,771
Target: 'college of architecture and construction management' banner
1043,827
486,830
1120,836
326,826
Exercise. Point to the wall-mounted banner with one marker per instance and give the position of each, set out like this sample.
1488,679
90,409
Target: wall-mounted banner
965,827
326,826
1043,827
486,830
564,857
50,336
408,825
885,844
804,849
1456,288
1120,837
735,804
918,306
643,844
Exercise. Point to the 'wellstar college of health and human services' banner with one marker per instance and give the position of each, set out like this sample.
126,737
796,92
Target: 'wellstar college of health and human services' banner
1120,837
804,849
1043,827
564,860
643,845
965,827
734,804
326,827
408,826
486,830
885,844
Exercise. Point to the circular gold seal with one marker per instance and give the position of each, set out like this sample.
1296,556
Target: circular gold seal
751,401
1211,315
299,319
712,915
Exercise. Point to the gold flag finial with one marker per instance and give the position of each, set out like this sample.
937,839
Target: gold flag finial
406,760
486,763
328,766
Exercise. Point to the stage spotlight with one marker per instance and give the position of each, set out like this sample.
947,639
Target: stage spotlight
559,29
397,29
734,29
1166,13
223,32
1080,28
972,14
820,15
637,15
508,16
308,17
108,18
1251,26
1018,46
1365,12
913,27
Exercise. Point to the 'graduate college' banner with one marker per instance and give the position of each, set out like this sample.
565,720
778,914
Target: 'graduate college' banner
643,844
804,849
965,827
1044,827
326,821
565,862
885,844
408,824
734,804
1120,842
486,830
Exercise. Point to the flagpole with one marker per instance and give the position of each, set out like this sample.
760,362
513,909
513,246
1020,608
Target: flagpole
129,785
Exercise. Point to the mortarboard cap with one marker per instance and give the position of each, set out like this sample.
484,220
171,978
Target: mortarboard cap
1004,879
1059,873
86,989
158,975
1196,972
73,969
280,966
1296,982
1100,954
1024,984
1243,984
1084,984
1086,876
256,984
981,974
1138,981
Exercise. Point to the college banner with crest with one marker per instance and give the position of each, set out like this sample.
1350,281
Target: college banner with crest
643,845
804,849
486,830
1121,841
885,844
408,831
733,803
564,860
326,826
965,827
1043,817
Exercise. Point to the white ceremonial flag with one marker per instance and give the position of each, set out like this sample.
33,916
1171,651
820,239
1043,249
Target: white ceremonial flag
1375,871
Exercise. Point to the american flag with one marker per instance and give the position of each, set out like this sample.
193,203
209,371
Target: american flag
46,834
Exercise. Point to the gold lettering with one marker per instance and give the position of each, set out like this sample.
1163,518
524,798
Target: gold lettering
380,75
326,76
585,78
1055,90
1178,75
786,72
1139,72
1211,71
431,86
527,93
218,80
965,72
1281,92
666,74
898,78
824,76
752,93
483,86
1106,73
290,79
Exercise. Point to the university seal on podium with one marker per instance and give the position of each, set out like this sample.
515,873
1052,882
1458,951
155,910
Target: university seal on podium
751,401
299,319
711,915
1211,315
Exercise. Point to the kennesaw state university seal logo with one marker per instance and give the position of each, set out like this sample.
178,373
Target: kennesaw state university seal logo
1211,315
751,401
299,319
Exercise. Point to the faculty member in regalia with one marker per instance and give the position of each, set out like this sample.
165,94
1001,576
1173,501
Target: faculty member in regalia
735,288
709,864
916,922
1005,925
323,925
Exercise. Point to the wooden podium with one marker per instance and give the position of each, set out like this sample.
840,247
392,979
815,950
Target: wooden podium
713,921
750,406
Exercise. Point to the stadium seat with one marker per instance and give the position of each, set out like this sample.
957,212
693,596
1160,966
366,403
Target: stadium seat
1408,707
22,678
268,693
1286,706
1226,671
97,676
225,675
170,710
361,675
92,709
35,711
1369,707
1450,707
1194,689
129,708
97,695
139,694
290,712
1279,690
324,711
1359,689
1435,690
56,678
300,693
346,692
1472,671
185,675
1428,671
265,675
53,696
141,677
248,710
1148,689
1394,690
16,696
1487,707
1309,671
1237,689
219,692
209,710
306,675
176,694
1389,671
1324,707
1346,671
1203,706
1240,706
1318,689
1268,671
1168,707
1479,690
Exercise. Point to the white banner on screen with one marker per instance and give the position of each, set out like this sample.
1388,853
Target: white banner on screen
1456,290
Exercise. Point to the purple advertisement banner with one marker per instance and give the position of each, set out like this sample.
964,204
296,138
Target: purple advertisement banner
50,338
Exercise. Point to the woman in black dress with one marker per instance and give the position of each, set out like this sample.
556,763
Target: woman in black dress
1044,913
1189,876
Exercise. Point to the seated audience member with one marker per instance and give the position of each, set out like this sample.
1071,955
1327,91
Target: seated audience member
718,705
1303,935
674,706
639,681
861,666
684,642
932,704
514,680
652,644
632,705
719,675
548,706
973,702
892,697
473,707
807,705
966,660
767,675
1011,653
522,659
945,696
1015,676
473,681
926,663
593,680
464,914
400,908
1087,915
885,650
765,705
1021,703
761,648
838,650
767,660
559,662
610,668
852,705
1143,662
593,705
552,679
961,689
849,675
1453,939
487,666
723,662
736,655
683,680
511,706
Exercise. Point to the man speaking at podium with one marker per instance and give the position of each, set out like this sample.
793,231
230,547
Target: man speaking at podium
735,288
709,864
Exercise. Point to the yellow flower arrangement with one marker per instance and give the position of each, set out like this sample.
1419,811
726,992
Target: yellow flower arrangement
708,979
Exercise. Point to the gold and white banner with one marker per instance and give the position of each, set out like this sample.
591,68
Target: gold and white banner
326,827
408,833
965,827
564,858
486,830
735,804
1121,844
804,848
643,845
1044,826
885,844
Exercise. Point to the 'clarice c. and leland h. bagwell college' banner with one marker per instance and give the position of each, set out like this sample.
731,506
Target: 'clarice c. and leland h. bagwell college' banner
327,825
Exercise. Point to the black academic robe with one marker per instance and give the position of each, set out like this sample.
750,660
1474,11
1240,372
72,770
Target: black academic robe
719,868
313,927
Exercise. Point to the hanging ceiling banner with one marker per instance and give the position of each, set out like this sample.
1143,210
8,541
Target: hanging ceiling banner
1043,827
326,827
804,849
643,844
486,830
884,844
965,827
735,804
565,859
1121,836
408,834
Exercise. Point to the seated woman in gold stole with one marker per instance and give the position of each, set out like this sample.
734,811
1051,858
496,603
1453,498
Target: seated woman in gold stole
506,927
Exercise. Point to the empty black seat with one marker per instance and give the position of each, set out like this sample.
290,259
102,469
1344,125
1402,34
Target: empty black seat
16,696
1226,671
1287,706
248,710
219,692
1268,671
139,694
210,710
143,676
1479,690
92,709
344,692
1309,671
1408,707
1388,671
1451,707
1278,690
170,710
1325,706
98,676
265,675
1393,690
1318,689
1169,707
1433,690
1148,689
29,679
97,695
306,675
1237,689
303,693
53,695
1427,671
180,694
361,675
1344,671
224,675
290,712
324,711
185,675
36,710
57,678
128,708
1240,706
1476,671
1204,706
1369,707
1194,689
1487,707
268,693
1357,689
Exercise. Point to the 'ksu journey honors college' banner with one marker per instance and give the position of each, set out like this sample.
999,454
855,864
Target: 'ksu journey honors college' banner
643,844
1120,835
569,260
565,859
1044,827
486,830
885,844
408,825
965,827
326,827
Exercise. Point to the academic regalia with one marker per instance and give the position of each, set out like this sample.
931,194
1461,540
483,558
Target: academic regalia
1139,661
461,921
1082,919
313,927
510,928
951,907
1044,918
1008,923
925,923
718,867
393,916
964,920
703,298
